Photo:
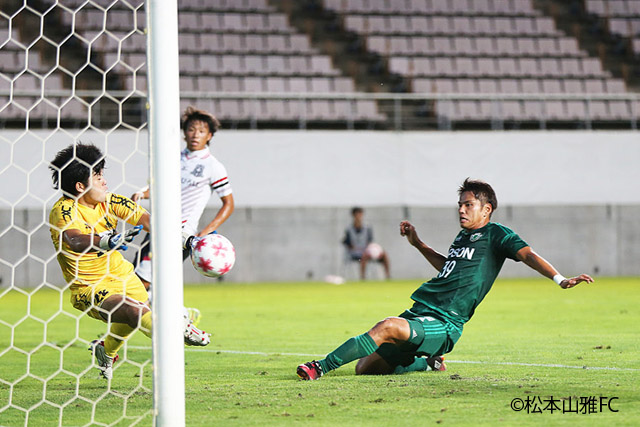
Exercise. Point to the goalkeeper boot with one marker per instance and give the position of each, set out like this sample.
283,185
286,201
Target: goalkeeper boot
194,315
436,363
309,371
194,336
104,362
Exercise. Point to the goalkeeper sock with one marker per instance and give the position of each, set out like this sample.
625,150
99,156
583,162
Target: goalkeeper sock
352,349
419,364
117,334
145,324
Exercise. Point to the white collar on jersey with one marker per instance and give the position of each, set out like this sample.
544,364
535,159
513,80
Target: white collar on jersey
200,153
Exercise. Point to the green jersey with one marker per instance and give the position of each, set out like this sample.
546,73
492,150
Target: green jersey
473,263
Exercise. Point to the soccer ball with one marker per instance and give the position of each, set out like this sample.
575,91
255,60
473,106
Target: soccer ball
212,255
374,251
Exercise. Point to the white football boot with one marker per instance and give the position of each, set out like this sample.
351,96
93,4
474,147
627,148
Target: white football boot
194,336
104,362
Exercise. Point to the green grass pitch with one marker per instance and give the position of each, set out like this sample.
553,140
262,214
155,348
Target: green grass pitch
528,339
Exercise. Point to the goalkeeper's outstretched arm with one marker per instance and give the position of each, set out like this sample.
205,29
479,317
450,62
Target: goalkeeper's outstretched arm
81,242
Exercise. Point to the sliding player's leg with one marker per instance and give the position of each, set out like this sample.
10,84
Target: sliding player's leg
389,359
393,330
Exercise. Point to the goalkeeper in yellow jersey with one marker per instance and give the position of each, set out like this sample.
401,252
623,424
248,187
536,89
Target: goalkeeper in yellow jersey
83,230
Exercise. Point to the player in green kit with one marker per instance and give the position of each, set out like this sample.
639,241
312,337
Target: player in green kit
418,338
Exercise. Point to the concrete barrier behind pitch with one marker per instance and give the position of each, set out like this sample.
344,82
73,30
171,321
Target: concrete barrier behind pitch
295,244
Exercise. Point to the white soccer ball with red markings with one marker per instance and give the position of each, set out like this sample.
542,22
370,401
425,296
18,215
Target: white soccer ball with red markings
212,255
374,251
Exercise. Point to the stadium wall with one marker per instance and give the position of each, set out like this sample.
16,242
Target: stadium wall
571,195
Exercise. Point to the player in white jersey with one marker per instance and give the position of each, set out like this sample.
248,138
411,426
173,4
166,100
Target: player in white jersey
201,175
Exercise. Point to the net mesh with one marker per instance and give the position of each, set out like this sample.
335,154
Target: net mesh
70,70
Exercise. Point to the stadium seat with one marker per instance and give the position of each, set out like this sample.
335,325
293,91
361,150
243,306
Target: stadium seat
466,110
299,84
276,84
400,65
551,86
464,66
467,86
507,67
506,46
507,86
207,83
485,46
230,84
320,109
254,64
254,84
549,67
186,84
576,110
615,86
532,110
368,110
571,67
594,86
486,67
343,85
320,85
531,86
597,110
510,110
619,110
556,110
573,86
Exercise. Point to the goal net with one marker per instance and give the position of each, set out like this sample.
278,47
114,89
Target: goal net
70,71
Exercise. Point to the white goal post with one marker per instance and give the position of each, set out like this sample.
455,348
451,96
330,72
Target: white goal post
164,149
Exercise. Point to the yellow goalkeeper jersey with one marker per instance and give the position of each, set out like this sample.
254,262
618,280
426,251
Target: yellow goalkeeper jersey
90,268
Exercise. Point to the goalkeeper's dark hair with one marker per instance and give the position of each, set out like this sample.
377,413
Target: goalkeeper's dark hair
191,114
76,163
481,190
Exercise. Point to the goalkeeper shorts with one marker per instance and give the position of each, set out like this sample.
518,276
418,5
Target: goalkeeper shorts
89,298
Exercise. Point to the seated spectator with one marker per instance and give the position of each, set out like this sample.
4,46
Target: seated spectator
358,240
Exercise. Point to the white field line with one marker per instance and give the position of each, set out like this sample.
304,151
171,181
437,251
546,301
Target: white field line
468,362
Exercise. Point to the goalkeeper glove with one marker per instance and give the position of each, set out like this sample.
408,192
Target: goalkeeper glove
119,240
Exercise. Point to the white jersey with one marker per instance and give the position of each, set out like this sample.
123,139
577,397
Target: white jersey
201,174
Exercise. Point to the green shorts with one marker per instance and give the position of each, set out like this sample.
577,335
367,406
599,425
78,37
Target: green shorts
431,335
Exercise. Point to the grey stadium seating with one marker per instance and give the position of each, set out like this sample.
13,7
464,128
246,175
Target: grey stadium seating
231,49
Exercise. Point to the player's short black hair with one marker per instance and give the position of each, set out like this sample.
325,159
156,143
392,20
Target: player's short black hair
481,190
76,163
356,209
192,114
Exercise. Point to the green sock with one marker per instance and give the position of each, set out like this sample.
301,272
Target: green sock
352,349
419,364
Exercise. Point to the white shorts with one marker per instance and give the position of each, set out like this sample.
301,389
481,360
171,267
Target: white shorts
143,270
